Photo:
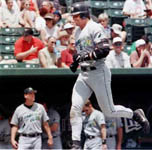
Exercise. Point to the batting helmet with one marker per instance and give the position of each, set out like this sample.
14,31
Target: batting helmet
79,8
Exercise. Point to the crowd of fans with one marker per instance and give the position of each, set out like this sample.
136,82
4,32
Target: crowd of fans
55,46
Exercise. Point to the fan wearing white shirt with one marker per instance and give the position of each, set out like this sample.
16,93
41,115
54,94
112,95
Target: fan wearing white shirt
116,57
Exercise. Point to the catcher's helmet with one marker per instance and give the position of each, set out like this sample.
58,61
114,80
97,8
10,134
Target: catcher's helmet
79,8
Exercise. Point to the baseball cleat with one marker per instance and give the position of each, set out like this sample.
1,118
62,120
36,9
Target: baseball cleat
76,145
140,117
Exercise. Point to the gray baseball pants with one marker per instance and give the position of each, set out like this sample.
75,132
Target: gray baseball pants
94,144
99,82
30,143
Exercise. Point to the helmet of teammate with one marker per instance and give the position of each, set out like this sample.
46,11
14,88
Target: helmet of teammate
80,8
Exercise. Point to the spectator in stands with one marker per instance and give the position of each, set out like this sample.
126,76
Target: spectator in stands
9,16
69,28
116,57
103,19
148,10
54,123
116,30
58,18
34,6
134,9
148,45
27,47
50,30
40,22
47,56
27,17
0,13
140,57
15,5
63,39
48,5
67,55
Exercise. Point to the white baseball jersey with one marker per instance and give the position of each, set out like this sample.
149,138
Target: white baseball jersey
29,120
92,123
87,39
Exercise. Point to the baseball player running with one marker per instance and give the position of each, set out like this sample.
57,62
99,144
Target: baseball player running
92,47
28,119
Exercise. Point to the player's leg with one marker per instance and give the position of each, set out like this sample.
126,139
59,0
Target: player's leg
102,89
81,92
24,143
37,142
101,85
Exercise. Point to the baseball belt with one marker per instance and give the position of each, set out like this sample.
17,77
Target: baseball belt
30,135
88,68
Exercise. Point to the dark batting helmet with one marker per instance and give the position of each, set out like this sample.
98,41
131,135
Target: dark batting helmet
80,8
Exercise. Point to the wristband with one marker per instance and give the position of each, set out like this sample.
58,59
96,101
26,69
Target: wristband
103,141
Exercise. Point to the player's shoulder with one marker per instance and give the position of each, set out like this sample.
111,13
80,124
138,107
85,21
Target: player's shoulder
38,104
98,112
20,107
93,25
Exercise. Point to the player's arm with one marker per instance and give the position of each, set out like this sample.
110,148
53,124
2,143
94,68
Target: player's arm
14,130
48,131
103,136
101,50
119,138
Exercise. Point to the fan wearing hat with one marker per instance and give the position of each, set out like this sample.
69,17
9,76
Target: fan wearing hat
116,57
63,38
116,30
140,57
27,47
68,27
28,120
51,29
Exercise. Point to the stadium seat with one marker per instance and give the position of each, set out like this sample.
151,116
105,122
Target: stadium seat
11,31
148,30
16,31
26,65
99,4
7,66
116,13
8,56
127,48
7,49
136,22
115,4
116,16
128,30
8,39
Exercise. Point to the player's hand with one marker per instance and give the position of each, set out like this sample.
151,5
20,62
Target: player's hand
50,141
104,147
14,144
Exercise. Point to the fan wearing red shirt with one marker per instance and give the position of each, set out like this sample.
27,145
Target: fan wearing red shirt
67,55
27,47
